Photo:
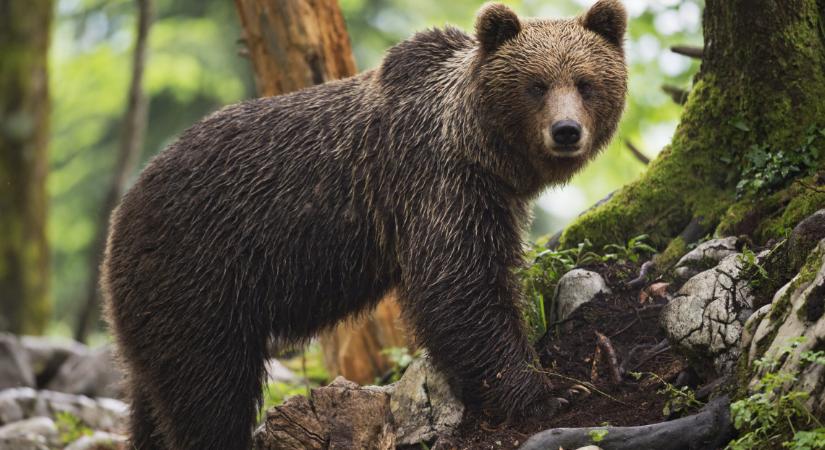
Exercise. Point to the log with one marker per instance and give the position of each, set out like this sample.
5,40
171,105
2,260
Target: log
709,429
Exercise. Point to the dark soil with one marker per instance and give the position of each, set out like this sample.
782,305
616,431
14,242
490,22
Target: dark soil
567,353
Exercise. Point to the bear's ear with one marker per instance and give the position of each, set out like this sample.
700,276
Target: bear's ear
495,25
607,18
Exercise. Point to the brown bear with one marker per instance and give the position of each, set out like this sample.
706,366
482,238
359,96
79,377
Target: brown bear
278,217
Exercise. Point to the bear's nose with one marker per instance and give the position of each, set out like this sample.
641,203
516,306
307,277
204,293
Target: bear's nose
566,132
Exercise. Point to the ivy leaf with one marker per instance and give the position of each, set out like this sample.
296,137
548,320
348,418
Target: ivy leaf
740,124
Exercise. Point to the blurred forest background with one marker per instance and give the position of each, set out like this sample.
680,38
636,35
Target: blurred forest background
194,66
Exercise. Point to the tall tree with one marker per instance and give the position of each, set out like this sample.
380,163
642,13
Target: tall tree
134,128
294,44
24,130
744,159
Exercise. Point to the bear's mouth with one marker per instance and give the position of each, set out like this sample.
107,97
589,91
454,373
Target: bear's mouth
566,151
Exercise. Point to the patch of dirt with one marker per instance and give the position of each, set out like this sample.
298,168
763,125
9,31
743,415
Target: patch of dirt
630,322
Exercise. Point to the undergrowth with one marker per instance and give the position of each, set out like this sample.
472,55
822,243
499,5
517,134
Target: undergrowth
541,277
765,170
771,418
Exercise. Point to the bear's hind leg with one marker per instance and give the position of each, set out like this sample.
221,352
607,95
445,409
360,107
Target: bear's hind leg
143,431
207,396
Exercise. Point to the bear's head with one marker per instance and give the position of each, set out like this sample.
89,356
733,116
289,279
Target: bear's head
553,90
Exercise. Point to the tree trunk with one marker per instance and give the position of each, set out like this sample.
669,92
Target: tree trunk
24,131
134,127
294,44
761,84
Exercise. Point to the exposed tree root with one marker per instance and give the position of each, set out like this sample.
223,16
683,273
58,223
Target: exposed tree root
709,429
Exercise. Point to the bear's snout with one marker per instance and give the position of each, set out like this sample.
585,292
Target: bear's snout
566,134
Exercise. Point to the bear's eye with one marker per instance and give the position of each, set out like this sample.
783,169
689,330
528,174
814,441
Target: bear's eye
537,89
585,88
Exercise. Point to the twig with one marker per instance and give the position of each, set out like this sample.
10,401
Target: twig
637,153
584,383
627,327
610,354
641,280
689,51
657,350
594,368
678,95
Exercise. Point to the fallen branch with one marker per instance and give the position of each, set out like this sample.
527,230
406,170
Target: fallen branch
689,51
641,280
678,95
710,428
606,346
637,153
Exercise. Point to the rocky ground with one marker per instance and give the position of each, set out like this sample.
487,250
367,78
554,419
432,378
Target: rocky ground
641,357
644,357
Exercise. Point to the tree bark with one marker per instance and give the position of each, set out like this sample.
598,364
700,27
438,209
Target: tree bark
24,131
761,82
134,128
294,44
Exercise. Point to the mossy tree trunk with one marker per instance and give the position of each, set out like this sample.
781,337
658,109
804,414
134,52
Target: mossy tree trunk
761,86
294,44
24,131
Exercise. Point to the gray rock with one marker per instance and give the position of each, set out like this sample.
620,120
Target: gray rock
804,237
276,371
99,440
15,367
23,403
797,310
576,288
705,256
706,316
48,354
41,430
94,374
22,443
423,405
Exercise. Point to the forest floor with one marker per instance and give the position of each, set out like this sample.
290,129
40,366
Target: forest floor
571,355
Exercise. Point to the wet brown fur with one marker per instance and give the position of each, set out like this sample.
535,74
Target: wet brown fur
282,216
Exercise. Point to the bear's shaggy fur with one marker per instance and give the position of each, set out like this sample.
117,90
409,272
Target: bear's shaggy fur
279,217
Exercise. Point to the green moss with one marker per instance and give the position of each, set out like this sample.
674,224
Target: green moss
675,250
804,201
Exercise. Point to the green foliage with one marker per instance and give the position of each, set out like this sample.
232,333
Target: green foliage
765,170
771,417
752,270
309,364
632,251
680,399
70,428
540,278
400,358
597,435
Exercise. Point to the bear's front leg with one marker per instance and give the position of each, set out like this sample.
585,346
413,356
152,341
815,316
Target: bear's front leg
461,296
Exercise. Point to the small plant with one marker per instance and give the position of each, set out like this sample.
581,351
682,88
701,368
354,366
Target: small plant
70,428
766,170
770,418
632,251
597,435
752,270
541,277
400,358
680,399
